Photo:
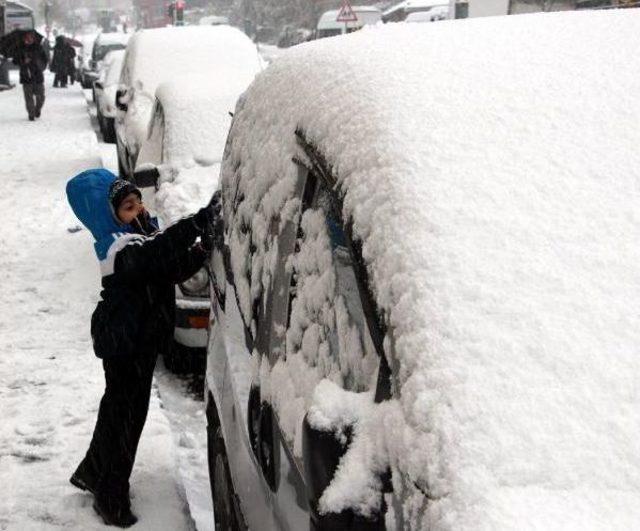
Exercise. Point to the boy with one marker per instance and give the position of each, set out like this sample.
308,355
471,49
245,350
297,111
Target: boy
132,323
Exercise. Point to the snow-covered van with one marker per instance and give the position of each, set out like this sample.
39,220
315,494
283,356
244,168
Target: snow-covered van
328,25
183,149
153,57
427,300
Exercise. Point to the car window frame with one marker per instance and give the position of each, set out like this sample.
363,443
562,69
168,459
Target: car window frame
317,165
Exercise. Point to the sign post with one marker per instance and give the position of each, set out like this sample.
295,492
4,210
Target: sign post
346,15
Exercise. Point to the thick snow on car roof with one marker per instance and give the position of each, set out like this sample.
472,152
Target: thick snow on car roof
164,54
491,167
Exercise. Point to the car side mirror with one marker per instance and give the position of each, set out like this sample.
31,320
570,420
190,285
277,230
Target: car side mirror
120,104
146,177
321,451
98,85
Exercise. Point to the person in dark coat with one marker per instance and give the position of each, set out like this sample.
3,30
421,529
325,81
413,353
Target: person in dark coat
63,55
71,64
133,321
32,60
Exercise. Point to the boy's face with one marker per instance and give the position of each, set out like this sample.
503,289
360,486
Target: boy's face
129,209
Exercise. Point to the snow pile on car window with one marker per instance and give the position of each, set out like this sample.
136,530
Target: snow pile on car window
491,169
197,112
221,53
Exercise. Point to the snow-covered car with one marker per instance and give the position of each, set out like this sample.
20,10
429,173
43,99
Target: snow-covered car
182,152
105,89
103,44
426,301
165,54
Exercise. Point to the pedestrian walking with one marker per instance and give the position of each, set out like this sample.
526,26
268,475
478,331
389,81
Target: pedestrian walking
62,62
70,57
32,60
133,321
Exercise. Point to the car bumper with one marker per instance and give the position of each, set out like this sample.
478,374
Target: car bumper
192,323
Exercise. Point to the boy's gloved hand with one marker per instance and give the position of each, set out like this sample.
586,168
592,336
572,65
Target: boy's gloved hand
206,216
213,236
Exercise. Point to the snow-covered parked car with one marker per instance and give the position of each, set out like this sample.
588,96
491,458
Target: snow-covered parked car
429,319
105,89
103,44
167,54
182,154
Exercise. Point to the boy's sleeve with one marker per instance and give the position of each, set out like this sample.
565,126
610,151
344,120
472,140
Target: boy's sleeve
158,258
189,263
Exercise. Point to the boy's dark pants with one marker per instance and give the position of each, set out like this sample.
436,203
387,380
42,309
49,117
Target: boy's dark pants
33,97
122,414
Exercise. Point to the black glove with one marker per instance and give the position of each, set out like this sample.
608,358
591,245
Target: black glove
213,236
206,216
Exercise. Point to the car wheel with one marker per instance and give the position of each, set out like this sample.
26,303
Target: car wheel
122,173
109,131
180,359
100,123
225,509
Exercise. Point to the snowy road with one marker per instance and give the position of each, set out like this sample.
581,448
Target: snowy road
50,382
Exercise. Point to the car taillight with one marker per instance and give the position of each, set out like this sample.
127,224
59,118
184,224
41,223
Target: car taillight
198,321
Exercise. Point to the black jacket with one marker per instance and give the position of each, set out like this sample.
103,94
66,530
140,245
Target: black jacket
32,61
137,310
63,55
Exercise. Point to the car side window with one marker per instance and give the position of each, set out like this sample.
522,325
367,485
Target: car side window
327,327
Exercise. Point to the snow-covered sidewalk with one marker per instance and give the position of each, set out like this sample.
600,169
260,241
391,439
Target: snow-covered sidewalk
50,382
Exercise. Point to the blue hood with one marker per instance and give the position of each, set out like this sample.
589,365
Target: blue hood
88,195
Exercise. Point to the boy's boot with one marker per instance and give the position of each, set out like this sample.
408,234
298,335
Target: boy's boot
115,510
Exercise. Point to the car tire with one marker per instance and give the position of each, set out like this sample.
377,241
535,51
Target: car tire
100,123
225,502
122,173
180,359
108,130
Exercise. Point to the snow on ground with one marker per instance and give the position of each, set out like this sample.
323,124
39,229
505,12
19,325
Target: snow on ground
50,381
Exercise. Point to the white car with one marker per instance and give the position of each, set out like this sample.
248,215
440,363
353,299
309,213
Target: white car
165,54
428,292
105,89
102,45
182,153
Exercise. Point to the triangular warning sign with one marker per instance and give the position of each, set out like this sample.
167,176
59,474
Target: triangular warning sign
346,13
